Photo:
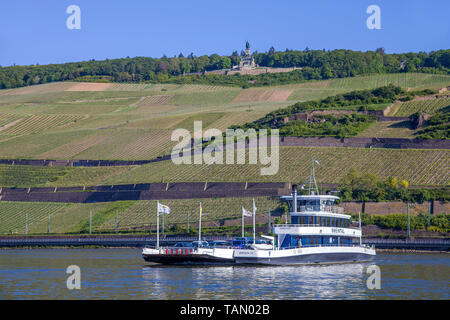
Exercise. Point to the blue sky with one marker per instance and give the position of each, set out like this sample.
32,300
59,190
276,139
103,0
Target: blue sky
35,32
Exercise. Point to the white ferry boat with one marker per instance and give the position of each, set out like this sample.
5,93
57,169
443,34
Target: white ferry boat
319,232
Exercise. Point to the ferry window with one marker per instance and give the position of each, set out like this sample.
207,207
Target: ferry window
312,202
315,220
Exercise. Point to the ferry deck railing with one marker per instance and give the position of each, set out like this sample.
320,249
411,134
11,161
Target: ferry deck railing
290,225
327,245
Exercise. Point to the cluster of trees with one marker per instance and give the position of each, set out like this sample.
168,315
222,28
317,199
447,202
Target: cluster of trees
347,63
437,127
409,95
328,125
368,187
315,64
399,221
139,69
338,126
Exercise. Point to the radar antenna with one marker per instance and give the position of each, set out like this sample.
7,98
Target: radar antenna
312,179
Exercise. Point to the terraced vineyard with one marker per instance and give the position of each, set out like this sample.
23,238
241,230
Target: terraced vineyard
143,213
410,107
64,217
419,167
14,216
408,80
389,129
30,176
6,119
39,123
26,176
154,100
313,90
133,215
110,125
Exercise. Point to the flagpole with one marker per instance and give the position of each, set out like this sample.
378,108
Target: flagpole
254,214
360,232
157,225
242,222
200,224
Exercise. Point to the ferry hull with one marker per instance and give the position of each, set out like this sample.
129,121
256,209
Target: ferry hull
186,259
189,256
278,257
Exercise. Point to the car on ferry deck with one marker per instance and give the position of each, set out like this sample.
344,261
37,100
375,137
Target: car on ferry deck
220,244
199,244
183,245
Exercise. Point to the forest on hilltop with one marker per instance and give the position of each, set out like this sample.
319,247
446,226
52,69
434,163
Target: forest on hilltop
315,64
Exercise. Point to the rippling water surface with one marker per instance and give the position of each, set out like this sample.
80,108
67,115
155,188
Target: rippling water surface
123,274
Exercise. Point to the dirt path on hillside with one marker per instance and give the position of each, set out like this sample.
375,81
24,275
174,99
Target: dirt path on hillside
6,126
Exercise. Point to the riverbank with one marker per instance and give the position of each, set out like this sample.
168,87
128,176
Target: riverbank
394,251
115,241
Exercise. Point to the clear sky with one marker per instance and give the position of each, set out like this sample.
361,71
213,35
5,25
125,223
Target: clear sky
35,32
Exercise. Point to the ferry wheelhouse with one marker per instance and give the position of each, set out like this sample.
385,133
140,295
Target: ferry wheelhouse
315,220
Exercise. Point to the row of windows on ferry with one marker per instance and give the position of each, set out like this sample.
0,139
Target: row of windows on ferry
300,241
321,221
313,205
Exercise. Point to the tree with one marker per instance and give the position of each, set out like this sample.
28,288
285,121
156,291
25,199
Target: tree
235,58
271,51
326,72
380,51
392,182
404,184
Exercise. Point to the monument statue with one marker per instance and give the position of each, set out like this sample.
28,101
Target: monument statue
247,61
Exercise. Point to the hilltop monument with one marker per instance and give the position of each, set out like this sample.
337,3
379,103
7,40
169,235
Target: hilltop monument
247,60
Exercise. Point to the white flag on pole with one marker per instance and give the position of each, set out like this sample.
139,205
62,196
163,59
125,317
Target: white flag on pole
163,208
316,161
246,213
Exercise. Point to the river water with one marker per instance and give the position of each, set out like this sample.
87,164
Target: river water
123,274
